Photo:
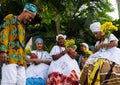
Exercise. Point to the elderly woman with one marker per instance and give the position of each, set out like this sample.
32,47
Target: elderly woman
64,69
102,67
39,61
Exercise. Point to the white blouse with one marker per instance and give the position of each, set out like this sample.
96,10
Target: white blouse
40,70
65,64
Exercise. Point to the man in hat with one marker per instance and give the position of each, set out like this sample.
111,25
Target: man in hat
12,46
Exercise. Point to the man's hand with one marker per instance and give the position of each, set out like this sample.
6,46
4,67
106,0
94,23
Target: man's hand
3,57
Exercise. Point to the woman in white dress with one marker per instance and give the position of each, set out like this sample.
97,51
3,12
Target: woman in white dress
39,61
102,67
64,69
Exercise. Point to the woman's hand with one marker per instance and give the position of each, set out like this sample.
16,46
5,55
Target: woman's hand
33,56
65,51
37,61
57,56
105,45
97,47
102,45
72,53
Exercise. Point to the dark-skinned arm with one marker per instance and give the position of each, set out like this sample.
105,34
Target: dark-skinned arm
57,56
112,43
38,61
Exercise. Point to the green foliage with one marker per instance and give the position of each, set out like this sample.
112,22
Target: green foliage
61,16
117,23
48,49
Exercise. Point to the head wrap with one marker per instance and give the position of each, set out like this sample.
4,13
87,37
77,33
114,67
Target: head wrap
85,44
39,40
64,36
95,27
31,8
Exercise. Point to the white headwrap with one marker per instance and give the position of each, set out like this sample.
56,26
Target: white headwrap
85,44
64,36
95,27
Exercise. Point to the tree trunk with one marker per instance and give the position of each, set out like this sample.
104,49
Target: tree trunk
118,3
57,21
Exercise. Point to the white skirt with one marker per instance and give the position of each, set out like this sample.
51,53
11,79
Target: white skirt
112,54
64,65
36,71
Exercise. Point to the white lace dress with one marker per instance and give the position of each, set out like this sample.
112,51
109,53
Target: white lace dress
112,54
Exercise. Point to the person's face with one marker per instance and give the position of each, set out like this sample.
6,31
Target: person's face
61,41
82,48
28,17
98,35
39,45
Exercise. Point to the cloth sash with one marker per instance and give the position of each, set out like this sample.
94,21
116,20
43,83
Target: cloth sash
94,77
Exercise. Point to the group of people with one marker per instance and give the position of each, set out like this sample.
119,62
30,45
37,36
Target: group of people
59,67
103,66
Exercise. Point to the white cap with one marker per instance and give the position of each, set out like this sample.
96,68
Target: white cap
86,45
95,27
64,36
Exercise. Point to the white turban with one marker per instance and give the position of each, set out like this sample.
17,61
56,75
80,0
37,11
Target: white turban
85,44
95,27
64,36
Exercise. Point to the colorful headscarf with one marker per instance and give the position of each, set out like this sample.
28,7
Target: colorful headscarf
95,27
64,36
39,40
31,8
